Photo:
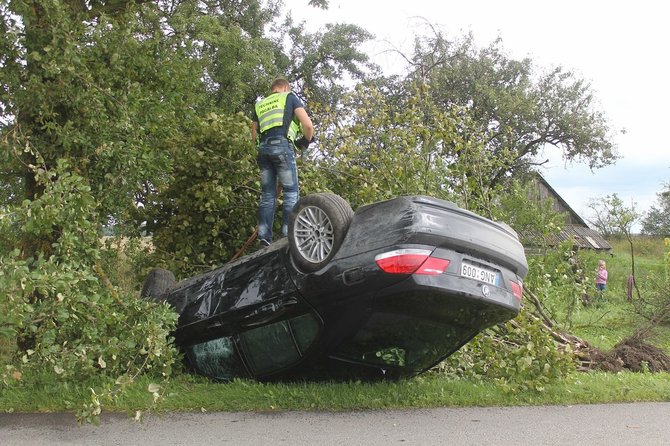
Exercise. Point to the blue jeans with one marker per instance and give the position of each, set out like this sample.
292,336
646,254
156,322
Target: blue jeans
600,292
276,160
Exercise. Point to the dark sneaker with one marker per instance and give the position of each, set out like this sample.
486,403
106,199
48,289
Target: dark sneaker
264,243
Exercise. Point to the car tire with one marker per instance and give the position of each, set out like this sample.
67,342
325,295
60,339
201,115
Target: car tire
158,282
318,225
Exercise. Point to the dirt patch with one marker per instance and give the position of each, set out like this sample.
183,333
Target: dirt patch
633,354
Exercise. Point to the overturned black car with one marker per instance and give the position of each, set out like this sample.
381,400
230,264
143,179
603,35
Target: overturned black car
386,292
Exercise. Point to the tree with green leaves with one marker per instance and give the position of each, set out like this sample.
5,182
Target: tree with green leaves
228,39
379,148
611,217
522,112
657,220
104,90
318,63
206,212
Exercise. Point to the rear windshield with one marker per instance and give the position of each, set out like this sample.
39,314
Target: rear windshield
400,340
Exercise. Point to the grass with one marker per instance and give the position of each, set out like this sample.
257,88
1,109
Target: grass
605,325
188,394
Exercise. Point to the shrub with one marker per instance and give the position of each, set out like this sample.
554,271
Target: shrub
562,281
71,324
519,355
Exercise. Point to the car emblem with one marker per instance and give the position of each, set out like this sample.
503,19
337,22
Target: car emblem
485,290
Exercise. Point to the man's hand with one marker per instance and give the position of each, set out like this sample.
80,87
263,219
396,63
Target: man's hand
302,143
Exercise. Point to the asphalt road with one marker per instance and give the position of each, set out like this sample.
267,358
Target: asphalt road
612,424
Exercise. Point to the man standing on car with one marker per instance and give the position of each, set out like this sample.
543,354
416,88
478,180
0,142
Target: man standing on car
277,123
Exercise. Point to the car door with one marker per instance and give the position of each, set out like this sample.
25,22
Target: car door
248,320
224,302
275,347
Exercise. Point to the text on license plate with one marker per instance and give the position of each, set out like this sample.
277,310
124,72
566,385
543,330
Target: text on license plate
483,275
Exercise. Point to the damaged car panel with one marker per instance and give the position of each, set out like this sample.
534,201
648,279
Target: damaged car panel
385,292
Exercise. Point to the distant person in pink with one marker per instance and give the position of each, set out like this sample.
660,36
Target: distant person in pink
601,278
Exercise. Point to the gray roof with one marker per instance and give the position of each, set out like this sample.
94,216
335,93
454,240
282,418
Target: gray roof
582,237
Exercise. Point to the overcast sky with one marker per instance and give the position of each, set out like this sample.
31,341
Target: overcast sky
620,47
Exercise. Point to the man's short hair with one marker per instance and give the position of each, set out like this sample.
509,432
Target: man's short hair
280,83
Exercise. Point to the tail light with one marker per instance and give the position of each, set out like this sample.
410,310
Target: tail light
517,289
411,261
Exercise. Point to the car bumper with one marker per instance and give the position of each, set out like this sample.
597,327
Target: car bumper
453,299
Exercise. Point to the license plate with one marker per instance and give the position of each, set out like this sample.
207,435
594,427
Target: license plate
482,274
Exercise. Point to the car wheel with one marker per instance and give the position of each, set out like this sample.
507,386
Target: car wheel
317,227
158,282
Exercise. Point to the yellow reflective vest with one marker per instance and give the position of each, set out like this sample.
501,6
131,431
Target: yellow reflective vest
270,112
